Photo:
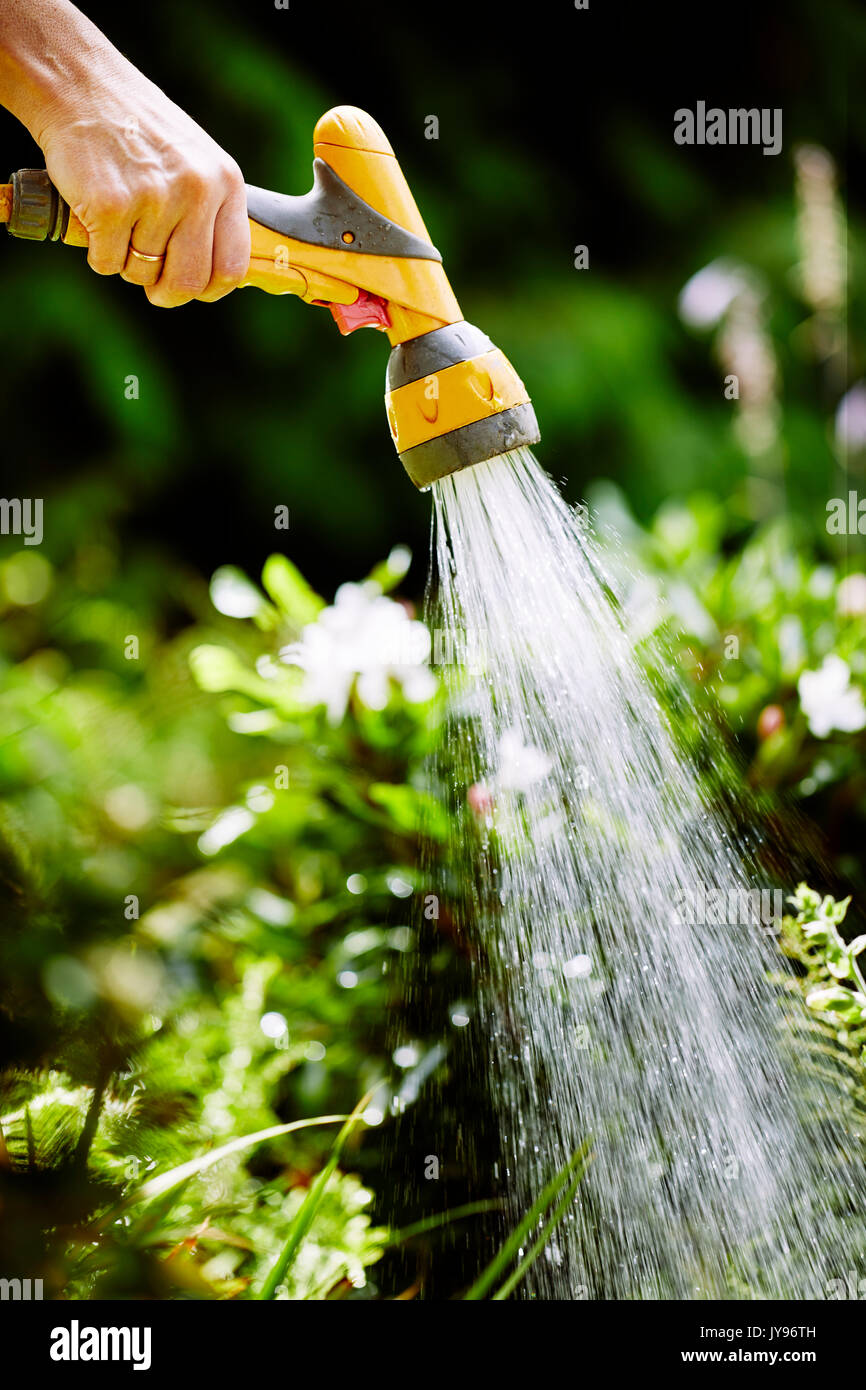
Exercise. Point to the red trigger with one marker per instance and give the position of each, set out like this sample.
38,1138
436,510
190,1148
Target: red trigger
368,311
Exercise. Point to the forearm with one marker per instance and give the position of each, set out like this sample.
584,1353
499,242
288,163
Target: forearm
49,53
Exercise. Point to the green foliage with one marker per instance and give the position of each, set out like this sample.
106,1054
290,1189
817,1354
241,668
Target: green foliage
198,985
832,982
827,1038
210,889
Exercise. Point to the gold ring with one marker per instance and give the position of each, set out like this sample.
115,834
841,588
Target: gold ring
140,256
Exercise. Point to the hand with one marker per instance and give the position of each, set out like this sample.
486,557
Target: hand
134,168
138,172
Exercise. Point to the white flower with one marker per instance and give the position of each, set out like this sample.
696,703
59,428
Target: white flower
367,638
710,293
851,596
520,764
829,701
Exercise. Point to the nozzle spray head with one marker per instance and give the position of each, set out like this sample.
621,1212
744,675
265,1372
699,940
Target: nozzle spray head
453,400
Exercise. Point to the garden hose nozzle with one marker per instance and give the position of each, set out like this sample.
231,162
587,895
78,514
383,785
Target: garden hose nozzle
356,244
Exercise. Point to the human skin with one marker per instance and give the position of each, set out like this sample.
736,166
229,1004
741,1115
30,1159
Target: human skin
134,168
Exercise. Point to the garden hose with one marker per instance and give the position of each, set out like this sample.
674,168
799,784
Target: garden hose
356,244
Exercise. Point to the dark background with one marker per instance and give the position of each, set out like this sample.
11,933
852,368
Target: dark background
555,128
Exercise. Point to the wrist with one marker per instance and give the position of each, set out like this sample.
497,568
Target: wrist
52,63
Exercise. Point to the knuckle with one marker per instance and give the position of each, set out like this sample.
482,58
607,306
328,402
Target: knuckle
153,192
232,178
109,204
193,183
232,252
111,207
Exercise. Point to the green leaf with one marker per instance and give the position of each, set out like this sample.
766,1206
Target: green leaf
838,962
805,899
834,1000
290,591
441,1218
388,574
536,1248
216,668
412,811
306,1212
835,911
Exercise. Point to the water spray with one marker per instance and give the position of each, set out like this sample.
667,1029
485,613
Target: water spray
356,244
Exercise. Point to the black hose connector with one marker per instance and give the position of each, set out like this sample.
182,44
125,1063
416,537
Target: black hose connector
38,211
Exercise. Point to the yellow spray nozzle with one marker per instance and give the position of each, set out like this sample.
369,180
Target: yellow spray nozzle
357,235
356,243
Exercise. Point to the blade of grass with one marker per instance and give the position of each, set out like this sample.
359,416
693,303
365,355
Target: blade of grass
538,1209
163,1182
442,1218
306,1212
532,1255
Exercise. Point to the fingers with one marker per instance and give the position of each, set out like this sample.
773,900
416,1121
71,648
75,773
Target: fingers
208,252
150,236
186,270
231,247
196,222
108,233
